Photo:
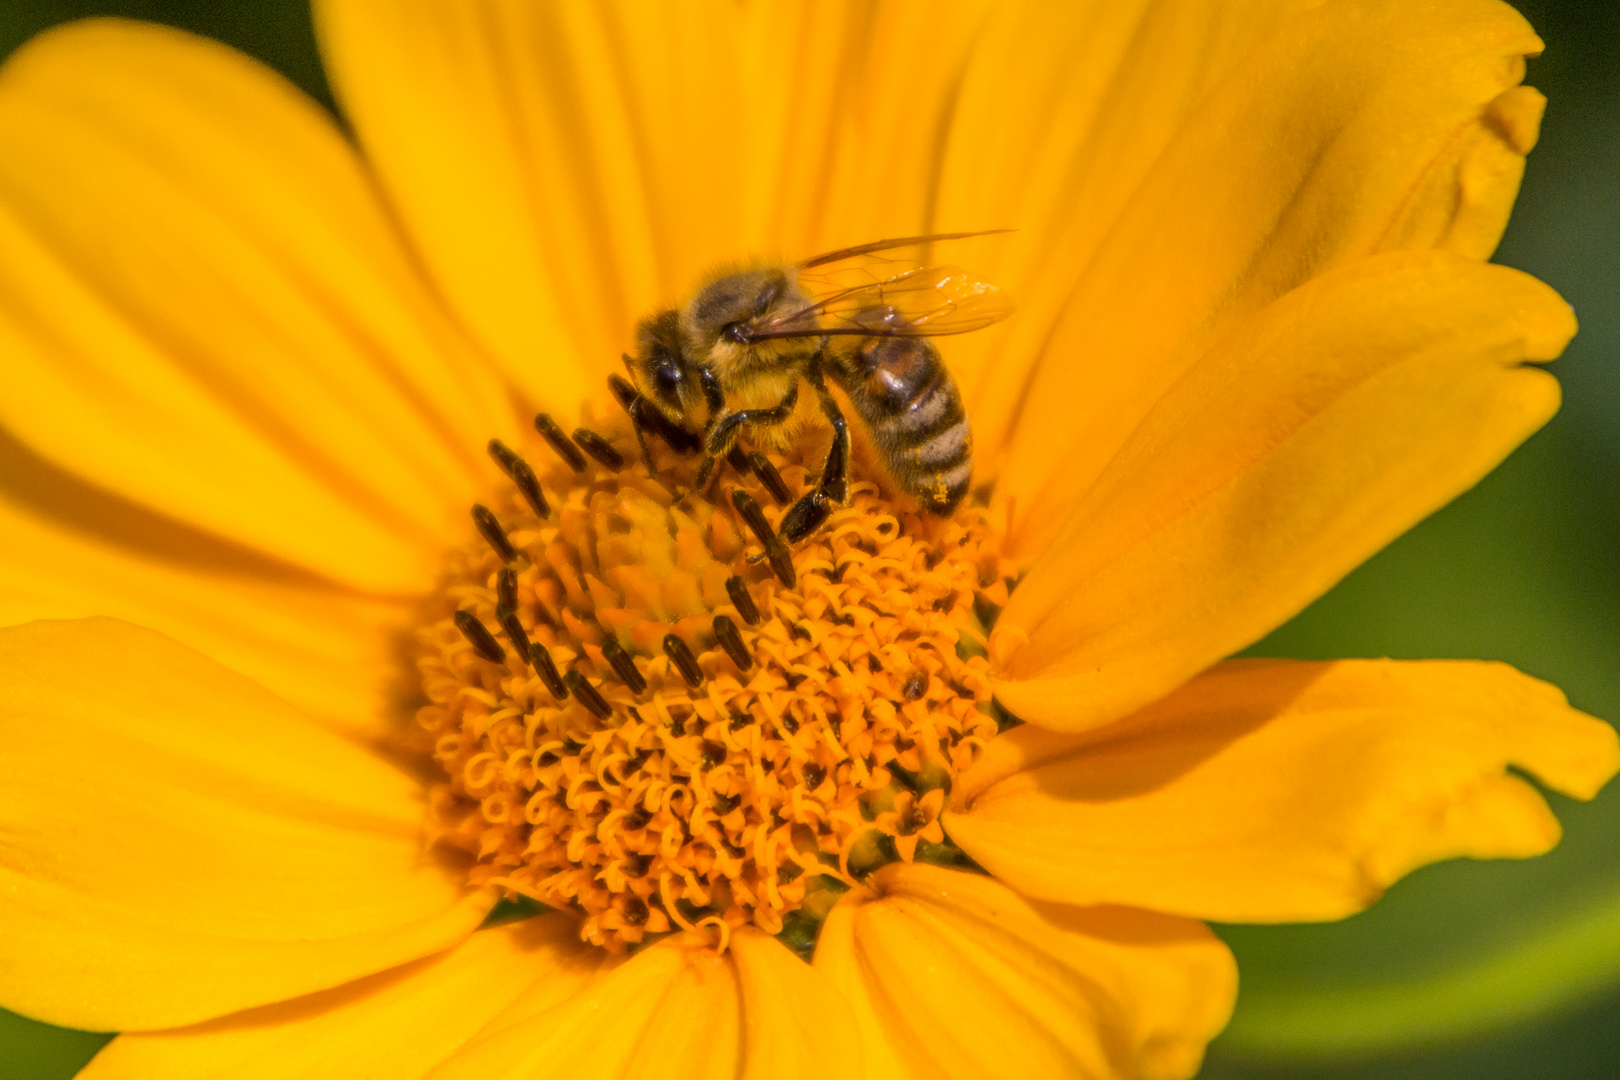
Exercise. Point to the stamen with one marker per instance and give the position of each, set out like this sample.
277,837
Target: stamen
547,427
624,666
742,601
738,460
599,448
480,638
503,455
546,668
781,562
514,629
491,530
770,478
529,485
587,695
506,588
730,640
684,661
753,516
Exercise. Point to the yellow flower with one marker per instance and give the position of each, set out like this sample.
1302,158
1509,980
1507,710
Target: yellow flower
250,373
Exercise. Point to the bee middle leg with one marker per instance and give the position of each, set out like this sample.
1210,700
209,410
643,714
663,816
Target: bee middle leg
810,512
725,428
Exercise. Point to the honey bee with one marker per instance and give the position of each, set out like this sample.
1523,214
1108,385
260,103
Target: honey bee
733,358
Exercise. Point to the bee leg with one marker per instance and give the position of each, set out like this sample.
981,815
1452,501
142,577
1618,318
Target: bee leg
725,428
812,510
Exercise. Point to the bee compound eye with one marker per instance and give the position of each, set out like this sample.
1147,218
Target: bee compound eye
666,378
734,332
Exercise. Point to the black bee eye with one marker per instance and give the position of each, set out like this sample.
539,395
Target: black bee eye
666,378
734,332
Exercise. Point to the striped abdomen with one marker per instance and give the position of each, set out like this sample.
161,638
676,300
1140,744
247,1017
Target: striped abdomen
904,393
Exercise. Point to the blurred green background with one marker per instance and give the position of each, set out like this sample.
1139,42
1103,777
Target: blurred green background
1478,970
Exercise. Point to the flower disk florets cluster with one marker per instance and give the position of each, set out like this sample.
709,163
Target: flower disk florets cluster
717,736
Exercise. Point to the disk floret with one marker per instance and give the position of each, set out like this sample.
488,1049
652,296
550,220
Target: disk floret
643,716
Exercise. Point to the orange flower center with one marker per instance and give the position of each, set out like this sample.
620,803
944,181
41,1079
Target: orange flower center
644,717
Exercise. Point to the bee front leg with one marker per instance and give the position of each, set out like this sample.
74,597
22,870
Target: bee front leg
811,512
724,429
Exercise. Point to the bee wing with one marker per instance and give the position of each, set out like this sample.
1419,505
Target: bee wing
890,298
891,244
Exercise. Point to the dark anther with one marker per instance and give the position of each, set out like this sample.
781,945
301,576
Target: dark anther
814,774
681,657
725,804
587,695
946,602
742,601
753,516
492,531
636,865
566,450
623,665
546,668
599,448
712,753
916,686
736,851
738,460
797,630
788,724
781,562
985,610
506,588
635,911
637,819
503,455
480,637
529,484
572,748
788,872
635,761
739,721
770,478
732,642
514,629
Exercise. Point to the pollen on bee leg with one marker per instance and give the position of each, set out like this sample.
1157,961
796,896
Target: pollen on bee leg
703,729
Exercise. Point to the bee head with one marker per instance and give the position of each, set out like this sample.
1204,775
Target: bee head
716,324
660,368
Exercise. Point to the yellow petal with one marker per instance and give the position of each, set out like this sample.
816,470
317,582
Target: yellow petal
564,168
961,977
68,551
396,1025
1236,151
671,1011
177,844
796,1025
1270,791
204,309
1302,444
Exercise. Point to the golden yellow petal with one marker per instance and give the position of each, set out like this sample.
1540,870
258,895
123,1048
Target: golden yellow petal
1269,790
205,309
564,168
180,844
796,1025
69,551
672,1010
396,1025
1238,153
1293,451
956,975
